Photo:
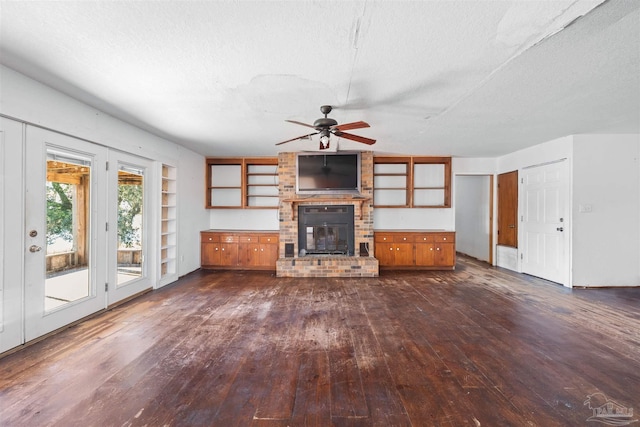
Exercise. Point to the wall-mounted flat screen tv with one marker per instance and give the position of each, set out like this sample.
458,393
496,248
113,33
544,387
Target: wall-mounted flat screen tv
328,173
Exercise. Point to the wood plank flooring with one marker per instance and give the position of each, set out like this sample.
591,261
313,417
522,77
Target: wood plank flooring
478,346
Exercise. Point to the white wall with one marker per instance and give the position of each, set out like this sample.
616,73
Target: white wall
606,244
26,100
416,218
472,212
561,148
244,219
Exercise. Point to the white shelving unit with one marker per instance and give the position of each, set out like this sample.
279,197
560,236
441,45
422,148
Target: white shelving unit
168,227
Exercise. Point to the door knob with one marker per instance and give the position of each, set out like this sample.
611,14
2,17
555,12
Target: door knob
34,248
560,228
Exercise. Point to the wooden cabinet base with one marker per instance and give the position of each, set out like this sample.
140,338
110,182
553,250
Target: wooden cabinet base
238,250
415,250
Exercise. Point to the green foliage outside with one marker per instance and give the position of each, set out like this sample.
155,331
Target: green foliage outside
129,207
59,212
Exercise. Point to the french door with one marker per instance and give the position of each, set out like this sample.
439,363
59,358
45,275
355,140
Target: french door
544,222
129,221
65,266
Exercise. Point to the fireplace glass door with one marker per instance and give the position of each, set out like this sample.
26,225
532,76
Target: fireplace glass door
327,239
326,230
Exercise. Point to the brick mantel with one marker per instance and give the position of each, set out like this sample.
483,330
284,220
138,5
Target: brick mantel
355,200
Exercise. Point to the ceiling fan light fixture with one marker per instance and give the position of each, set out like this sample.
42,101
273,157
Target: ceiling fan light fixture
324,139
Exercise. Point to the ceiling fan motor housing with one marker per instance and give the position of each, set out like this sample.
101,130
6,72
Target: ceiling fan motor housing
323,123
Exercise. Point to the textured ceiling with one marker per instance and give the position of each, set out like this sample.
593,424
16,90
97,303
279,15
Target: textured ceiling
461,78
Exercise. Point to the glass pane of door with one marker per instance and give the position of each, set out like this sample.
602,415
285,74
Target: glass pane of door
130,224
68,213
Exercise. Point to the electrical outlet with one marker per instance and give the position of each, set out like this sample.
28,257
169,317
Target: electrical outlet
585,208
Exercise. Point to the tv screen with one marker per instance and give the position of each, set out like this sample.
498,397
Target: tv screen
328,173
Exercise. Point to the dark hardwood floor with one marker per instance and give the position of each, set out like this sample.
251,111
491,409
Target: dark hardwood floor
478,346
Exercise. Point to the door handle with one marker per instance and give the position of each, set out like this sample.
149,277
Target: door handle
560,228
512,226
34,248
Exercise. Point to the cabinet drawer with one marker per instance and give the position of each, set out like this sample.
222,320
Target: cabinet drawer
269,239
425,238
229,238
445,237
248,238
383,237
209,237
403,238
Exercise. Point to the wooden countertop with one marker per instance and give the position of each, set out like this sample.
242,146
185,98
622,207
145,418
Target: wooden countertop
241,231
413,230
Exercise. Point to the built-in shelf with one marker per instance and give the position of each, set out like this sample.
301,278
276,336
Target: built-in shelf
168,227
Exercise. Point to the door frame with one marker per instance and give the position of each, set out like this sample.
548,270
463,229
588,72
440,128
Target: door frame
490,202
115,293
38,321
566,279
12,235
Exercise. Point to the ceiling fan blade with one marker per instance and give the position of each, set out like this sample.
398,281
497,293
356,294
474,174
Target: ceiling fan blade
299,137
300,123
350,126
356,138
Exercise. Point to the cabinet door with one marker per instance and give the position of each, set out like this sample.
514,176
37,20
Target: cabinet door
403,254
385,253
268,254
444,254
210,254
425,254
229,254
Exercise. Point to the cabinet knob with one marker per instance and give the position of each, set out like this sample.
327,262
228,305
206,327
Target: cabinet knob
404,238
209,238
390,249
397,249
249,239
444,238
216,249
424,238
437,249
223,249
269,239
262,250
384,238
430,249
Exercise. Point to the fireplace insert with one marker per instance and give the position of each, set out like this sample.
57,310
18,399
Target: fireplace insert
326,230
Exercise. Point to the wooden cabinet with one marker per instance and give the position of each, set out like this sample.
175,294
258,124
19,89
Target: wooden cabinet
238,250
415,249
394,249
435,249
258,251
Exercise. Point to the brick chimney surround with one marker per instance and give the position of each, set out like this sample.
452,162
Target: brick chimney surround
358,265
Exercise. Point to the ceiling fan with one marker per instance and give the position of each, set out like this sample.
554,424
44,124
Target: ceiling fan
326,126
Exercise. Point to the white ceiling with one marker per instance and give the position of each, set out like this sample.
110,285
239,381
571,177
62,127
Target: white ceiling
461,78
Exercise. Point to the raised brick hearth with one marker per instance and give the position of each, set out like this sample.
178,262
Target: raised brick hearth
325,265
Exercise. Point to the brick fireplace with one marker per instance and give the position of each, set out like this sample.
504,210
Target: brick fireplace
326,260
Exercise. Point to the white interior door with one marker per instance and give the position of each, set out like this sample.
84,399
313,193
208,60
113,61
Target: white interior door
11,236
544,222
130,225
65,238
